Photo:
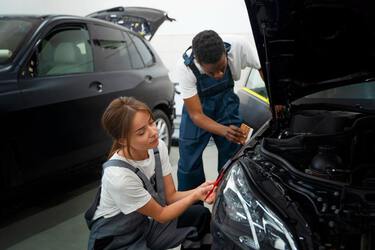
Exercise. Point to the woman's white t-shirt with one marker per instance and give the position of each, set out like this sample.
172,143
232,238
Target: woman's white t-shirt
122,190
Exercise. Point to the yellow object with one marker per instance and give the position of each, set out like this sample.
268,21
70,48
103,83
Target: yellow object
252,92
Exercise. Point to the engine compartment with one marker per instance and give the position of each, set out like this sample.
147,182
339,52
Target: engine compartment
333,145
330,161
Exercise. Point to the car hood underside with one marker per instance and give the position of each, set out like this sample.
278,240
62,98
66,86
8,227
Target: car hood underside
308,46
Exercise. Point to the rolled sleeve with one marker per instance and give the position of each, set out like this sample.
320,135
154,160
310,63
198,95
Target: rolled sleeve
164,159
185,79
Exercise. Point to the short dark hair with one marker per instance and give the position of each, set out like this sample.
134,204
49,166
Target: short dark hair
208,47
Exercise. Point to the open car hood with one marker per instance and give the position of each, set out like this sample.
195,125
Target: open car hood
144,21
306,46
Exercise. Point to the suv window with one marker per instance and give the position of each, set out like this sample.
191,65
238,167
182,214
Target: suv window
65,50
135,58
147,56
14,33
112,48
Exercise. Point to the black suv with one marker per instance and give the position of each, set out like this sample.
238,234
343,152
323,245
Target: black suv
57,75
306,179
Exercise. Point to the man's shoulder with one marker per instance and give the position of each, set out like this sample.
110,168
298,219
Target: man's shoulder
239,40
182,73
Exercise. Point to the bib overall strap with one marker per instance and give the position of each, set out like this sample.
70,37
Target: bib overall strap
146,182
159,178
189,61
159,195
216,89
89,214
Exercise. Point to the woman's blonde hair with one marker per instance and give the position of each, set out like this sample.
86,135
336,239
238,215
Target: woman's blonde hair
117,120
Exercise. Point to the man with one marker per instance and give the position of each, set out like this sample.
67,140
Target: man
206,78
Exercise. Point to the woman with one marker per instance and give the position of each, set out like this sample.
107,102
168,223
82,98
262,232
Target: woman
138,206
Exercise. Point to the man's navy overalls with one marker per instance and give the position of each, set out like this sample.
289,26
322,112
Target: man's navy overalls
221,104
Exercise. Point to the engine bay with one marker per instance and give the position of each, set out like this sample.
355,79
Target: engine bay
335,146
324,161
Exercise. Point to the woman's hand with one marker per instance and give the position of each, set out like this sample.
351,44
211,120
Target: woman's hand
211,198
202,191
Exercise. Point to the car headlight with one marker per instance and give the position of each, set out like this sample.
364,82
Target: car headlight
246,219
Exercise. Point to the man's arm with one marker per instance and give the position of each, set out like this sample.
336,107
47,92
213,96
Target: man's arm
194,108
172,195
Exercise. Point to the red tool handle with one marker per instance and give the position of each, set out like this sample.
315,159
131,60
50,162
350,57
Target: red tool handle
215,184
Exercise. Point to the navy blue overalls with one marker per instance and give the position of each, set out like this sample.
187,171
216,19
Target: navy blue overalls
221,104
135,231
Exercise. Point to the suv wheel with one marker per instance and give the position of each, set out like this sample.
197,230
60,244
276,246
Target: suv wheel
164,127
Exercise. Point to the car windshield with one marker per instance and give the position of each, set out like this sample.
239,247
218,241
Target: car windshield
360,95
13,33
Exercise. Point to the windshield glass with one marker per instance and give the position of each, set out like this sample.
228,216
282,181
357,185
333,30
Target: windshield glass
360,94
13,33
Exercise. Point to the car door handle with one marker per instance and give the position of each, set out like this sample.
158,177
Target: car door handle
148,78
98,86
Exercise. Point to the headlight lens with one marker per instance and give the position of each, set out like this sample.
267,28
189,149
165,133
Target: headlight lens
246,219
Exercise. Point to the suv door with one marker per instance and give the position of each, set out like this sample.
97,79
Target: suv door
122,70
61,122
128,67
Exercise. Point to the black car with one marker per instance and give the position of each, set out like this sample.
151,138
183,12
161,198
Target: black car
306,179
57,75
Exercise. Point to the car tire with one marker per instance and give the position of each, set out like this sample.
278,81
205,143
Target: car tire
164,127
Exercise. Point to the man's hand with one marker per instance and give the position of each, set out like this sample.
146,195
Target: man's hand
231,132
234,134
280,111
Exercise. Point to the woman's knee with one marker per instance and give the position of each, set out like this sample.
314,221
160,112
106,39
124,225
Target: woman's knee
197,216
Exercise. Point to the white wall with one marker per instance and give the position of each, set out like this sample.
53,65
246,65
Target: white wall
192,15
172,38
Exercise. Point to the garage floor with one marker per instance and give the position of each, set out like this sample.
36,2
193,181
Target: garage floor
61,226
